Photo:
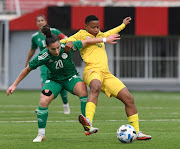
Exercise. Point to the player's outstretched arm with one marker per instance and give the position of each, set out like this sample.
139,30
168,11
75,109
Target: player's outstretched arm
21,76
110,39
127,20
30,54
117,29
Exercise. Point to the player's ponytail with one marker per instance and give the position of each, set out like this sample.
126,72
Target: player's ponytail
50,38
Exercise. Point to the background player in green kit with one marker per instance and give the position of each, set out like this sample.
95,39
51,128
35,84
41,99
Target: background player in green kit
38,40
61,74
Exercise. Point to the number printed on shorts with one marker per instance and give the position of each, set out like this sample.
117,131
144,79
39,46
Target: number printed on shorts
59,64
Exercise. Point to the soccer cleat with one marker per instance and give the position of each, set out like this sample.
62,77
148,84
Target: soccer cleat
87,125
91,131
36,111
39,138
141,136
66,108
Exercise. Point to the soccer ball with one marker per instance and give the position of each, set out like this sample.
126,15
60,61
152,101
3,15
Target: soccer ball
126,133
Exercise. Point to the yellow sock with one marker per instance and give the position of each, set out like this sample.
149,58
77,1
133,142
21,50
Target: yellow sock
90,110
134,121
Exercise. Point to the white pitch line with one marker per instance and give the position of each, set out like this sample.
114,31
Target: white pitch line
101,107
74,121
173,113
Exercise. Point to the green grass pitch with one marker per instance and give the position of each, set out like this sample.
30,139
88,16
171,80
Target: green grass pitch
159,114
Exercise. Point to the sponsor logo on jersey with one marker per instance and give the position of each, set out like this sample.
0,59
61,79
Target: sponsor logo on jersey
64,56
43,56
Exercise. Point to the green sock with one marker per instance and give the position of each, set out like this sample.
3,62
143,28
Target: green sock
42,115
83,104
63,94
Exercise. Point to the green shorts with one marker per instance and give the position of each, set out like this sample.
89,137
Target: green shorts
43,70
68,85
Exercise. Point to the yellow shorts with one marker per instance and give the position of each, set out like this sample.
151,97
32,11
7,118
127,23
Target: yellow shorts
110,84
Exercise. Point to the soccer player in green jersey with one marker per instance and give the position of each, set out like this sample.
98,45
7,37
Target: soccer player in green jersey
38,40
61,74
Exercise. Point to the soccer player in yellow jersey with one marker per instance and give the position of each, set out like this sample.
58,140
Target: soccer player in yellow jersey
98,77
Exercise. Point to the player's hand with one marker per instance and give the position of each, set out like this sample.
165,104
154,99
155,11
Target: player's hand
112,38
69,46
127,20
10,89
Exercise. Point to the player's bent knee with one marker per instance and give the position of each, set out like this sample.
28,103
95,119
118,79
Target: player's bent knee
130,100
48,93
95,89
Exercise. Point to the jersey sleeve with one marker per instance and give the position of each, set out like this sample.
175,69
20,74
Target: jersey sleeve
58,33
55,31
36,62
33,44
77,45
115,30
74,37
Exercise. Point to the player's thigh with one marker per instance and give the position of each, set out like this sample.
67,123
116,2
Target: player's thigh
88,76
53,86
80,89
70,83
112,85
43,70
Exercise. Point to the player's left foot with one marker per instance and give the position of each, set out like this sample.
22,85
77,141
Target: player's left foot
91,131
66,108
39,138
141,136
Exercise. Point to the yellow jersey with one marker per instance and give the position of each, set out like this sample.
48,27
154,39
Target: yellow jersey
94,55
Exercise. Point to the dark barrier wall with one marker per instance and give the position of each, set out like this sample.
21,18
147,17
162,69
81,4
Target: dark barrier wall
115,15
146,21
59,17
174,21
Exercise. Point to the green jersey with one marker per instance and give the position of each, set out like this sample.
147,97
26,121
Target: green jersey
38,39
59,68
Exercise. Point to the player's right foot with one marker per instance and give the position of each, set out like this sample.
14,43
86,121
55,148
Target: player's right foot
66,108
39,138
36,111
87,125
142,136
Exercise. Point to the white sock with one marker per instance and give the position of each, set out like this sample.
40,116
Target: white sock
41,131
66,105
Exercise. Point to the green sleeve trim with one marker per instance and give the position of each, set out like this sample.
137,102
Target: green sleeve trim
75,38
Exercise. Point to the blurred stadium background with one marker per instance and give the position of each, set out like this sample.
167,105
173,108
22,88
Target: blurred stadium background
146,58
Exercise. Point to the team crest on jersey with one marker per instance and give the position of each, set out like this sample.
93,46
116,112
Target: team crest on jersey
39,39
88,37
64,56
